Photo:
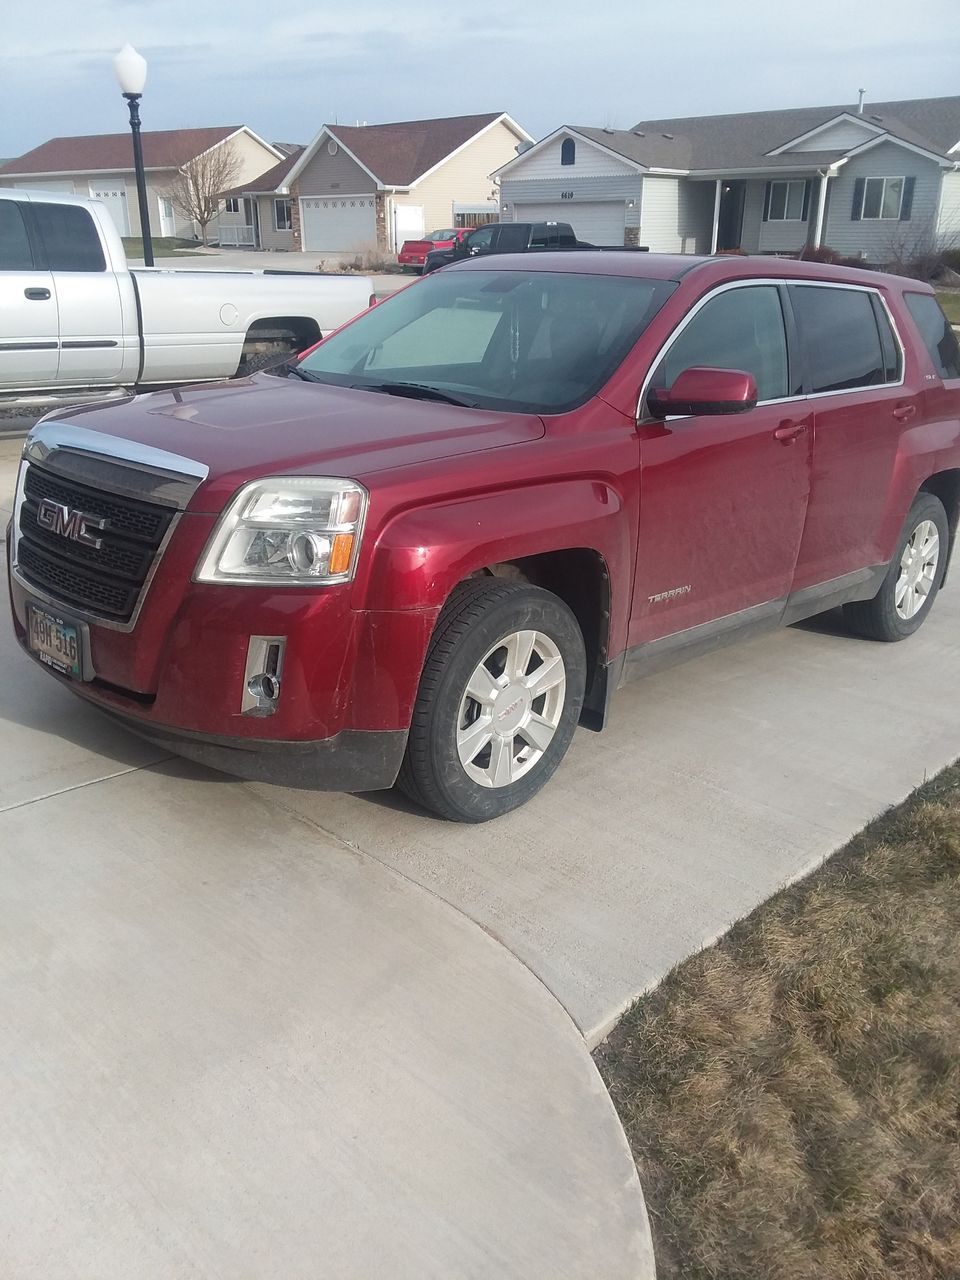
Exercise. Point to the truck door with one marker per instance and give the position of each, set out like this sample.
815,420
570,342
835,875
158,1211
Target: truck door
88,295
29,332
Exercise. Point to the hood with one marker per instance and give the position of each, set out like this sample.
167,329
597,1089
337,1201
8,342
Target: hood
263,426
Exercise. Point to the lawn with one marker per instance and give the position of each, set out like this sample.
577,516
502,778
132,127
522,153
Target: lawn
163,247
950,301
792,1094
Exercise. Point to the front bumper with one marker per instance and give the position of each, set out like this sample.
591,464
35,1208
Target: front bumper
353,760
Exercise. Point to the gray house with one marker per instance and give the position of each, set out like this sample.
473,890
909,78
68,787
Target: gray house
880,181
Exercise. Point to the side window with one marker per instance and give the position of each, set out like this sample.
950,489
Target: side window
839,336
15,254
938,337
480,239
892,358
737,329
70,237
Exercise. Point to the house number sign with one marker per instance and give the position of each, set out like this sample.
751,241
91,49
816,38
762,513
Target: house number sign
566,195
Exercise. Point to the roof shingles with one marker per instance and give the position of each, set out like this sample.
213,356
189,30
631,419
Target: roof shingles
162,149
398,154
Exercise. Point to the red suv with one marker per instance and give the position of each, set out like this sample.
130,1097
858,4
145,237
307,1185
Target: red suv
456,527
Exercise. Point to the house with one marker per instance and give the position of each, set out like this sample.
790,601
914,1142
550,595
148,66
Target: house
101,165
370,187
879,181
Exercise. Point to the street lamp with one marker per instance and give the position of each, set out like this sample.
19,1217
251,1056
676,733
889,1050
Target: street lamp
131,70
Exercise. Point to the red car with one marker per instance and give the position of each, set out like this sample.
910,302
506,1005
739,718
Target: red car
467,517
414,252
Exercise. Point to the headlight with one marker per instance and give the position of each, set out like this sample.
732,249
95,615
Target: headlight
292,531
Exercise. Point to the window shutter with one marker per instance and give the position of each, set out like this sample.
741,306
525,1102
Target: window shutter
906,204
806,201
857,210
766,203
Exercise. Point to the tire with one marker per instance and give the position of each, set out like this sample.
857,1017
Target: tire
499,627
913,578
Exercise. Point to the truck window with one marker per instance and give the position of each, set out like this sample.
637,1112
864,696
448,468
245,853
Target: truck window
938,337
736,329
839,337
514,236
482,238
15,254
70,237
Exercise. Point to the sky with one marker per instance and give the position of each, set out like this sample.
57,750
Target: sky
285,70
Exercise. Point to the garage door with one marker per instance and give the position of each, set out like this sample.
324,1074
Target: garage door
341,224
596,221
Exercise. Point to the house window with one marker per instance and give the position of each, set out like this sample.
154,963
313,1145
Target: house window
282,217
232,205
882,198
787,201
568,151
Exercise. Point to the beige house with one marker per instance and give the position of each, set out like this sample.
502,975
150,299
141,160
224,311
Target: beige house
370,187
101,165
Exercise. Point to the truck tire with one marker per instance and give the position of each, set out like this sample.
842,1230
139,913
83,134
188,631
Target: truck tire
487,732
913,578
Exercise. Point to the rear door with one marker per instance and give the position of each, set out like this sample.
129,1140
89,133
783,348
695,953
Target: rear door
29,332
723,498
88,295
854,379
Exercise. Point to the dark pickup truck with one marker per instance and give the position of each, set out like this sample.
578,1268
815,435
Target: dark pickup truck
506,237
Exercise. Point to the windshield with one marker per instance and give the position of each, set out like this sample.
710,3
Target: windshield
535,342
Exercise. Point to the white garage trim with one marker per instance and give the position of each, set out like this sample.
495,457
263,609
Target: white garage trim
338,223
596,221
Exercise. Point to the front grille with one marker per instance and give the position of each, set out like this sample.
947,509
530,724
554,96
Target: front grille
105,580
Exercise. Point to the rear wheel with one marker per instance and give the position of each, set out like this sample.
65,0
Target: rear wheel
913,578
499,700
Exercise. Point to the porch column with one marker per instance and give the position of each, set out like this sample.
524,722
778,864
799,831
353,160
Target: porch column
821,210
716,217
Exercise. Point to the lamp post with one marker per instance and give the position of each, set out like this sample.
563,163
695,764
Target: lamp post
131,70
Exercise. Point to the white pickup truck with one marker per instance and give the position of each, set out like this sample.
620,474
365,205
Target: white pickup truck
76,322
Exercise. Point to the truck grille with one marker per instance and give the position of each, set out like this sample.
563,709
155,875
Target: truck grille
105,580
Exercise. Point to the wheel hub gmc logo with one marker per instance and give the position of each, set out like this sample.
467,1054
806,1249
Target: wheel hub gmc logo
69,523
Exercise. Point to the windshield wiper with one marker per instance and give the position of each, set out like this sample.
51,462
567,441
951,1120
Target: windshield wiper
415,391
294,372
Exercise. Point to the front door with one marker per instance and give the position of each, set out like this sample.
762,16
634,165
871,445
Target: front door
722,497
168,225
29,325
730,225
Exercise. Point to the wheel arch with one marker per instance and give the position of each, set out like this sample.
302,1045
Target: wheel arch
945,485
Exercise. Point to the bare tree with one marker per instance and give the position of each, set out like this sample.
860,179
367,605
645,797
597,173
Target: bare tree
198,188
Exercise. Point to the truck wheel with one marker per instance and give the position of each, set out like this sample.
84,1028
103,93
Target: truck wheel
913,579
499,699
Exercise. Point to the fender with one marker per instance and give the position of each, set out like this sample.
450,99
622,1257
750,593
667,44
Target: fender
924,451
421,554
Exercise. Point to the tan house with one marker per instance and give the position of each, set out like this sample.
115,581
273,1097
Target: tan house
101,165
370,187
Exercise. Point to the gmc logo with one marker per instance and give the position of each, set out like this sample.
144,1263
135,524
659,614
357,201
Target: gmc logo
69,523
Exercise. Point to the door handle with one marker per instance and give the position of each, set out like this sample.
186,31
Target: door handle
904,412
37,295
788,432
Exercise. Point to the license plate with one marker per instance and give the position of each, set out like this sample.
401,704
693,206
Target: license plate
55,641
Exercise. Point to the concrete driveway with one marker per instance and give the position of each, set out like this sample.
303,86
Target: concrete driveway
236,1005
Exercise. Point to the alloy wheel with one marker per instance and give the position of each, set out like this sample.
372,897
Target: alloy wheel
918,570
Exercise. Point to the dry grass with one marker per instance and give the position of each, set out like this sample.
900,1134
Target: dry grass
950,301
792,1095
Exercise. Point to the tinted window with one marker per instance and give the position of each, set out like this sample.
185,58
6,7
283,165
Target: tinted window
15,252
539,342
480,239
888,343
938,337
738,329
513,236
69,237
839,336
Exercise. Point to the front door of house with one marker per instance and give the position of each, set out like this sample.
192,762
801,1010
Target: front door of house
730,226
168,226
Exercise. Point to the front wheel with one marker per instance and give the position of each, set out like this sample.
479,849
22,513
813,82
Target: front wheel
913,579
499,699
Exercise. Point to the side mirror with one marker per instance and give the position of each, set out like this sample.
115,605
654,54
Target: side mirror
700,391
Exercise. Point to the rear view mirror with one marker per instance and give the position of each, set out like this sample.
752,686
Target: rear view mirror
700,391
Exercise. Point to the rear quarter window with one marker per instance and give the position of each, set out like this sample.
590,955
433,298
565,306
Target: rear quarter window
936,332
15,254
